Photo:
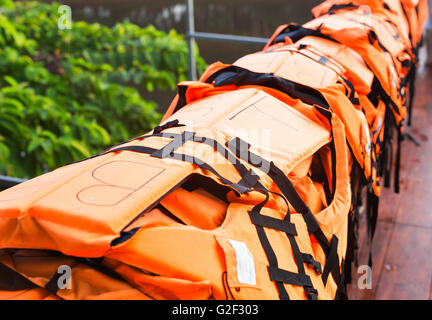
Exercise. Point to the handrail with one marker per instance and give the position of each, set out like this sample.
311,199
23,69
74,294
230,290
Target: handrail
191,35
7,182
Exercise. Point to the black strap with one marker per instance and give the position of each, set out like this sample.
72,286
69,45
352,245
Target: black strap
272,223
314,264
289,228
315,230
372,204
11,280
337,7
268,250
295,279
352,92
341,293
296,32
239,187
234,75
240,148
352,243
52,284
400,138
332,263
187,158
167,125
301,258
261,221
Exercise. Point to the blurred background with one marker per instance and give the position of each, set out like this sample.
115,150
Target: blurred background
77,76
258,18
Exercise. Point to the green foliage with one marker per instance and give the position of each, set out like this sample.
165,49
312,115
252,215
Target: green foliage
67,94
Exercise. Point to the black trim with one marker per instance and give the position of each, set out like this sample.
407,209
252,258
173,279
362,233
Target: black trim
311,262
272,223
268,250
52,284
295,279
169,124
332,263
10,280
234,75
296,32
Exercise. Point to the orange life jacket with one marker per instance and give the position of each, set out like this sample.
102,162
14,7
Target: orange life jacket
128,188
247,189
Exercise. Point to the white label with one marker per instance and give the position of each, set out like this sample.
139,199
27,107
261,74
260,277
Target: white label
245,263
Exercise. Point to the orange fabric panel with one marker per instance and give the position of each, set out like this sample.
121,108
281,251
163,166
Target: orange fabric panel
196,208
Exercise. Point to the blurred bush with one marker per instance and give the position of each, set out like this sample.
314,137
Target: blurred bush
67,94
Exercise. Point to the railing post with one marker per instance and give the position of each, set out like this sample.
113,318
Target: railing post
190,25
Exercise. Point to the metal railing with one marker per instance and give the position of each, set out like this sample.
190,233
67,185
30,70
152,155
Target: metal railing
7,182
191,35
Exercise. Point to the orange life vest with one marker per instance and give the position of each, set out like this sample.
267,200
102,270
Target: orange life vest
249,187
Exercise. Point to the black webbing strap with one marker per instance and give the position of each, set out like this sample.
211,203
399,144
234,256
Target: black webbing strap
352,94
332,263
268,250
261,221
241,149
235,75
372,204
52,285
10,280
377,89
341,293
299,258
337,7
352,243
239,187
412,75
248,176
311,262
181,92
389,124
387,150
296,32
273,223
295,279
170,124
186,158
400,138
315,230
288,190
